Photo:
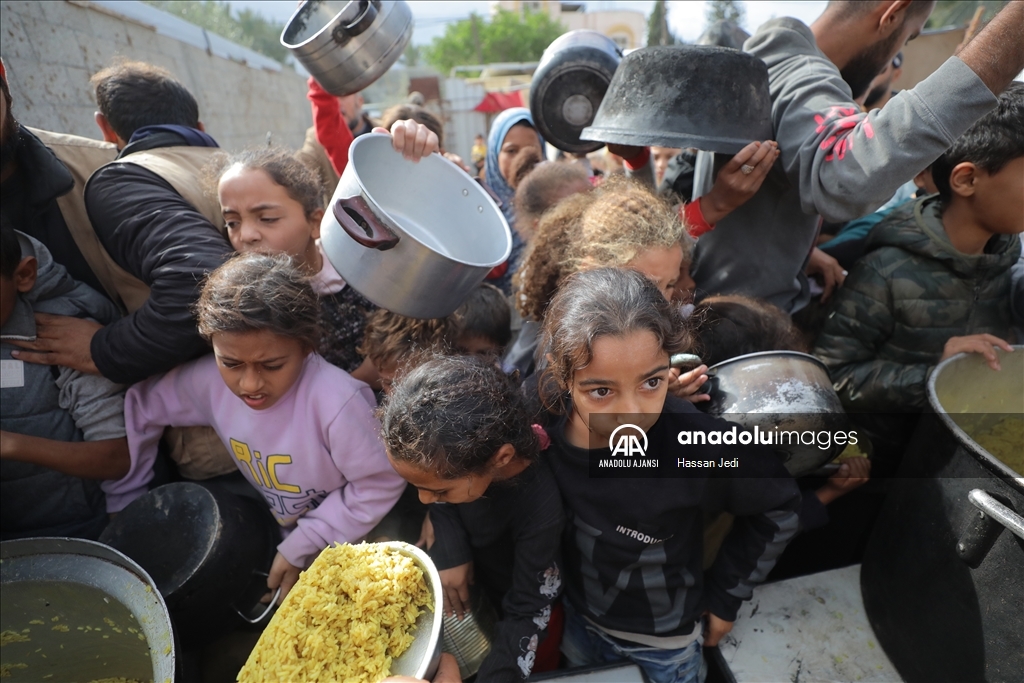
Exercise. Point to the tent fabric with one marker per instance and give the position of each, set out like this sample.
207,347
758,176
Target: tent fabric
494,102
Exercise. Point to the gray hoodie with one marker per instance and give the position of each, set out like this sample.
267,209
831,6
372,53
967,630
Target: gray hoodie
835,162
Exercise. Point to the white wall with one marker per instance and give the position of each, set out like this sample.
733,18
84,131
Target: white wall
52,48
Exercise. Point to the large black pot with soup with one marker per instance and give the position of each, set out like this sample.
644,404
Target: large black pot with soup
943,572
412,237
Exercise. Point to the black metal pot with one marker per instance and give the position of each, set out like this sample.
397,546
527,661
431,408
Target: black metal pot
943,572
207,550
711,98
568,86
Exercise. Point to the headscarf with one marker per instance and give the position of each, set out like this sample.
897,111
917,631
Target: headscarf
499,129
500,187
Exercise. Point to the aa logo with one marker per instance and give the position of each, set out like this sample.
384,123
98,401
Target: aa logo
628,440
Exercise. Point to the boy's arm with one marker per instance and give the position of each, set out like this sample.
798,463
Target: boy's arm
765,500
372,487
332,132
97,407
102,459
860,322
179,398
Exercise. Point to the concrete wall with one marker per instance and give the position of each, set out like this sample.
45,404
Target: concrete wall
52,48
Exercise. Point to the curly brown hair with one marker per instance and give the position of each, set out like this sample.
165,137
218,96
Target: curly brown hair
302,183
623,219
391,338
545,263
254,292
599,303
451,414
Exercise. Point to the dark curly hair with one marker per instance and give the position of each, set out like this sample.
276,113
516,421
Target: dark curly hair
734,325
254,292
393,338
599,303
451,414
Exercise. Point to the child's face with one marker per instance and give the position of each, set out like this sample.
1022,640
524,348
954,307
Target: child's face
661,265
998,203
625,383
685,285
259,367
478,345
260,216
661,156
434,489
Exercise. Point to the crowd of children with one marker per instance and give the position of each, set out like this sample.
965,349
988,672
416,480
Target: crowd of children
474,434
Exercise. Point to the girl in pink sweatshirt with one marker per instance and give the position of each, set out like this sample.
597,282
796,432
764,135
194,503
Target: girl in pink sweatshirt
302,431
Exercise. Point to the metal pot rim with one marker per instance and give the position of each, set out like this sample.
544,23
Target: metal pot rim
779,354
375,139
329,26
987,460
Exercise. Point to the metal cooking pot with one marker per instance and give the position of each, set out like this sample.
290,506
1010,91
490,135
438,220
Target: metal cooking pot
414,238
207,550
346,46
568,86
712,98
424,655
29,562
784,389
943,571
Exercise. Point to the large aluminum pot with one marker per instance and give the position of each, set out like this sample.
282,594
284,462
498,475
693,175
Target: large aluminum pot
784,389
414,238
568,86
35,568
943,571
346,46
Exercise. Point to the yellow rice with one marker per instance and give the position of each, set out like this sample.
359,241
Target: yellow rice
347,618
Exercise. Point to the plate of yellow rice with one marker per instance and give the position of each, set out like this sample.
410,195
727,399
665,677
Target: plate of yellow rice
359,614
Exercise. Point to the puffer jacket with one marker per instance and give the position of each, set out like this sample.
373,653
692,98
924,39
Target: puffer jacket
903,300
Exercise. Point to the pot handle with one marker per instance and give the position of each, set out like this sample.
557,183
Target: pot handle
984,530
369,231
268,610
343,33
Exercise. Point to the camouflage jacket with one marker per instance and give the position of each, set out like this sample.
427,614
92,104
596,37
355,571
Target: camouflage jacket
903,300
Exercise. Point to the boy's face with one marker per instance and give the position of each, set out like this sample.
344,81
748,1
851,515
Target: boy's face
478,345
21,281
998,202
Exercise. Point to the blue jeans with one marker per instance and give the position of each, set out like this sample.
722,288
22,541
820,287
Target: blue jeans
583,643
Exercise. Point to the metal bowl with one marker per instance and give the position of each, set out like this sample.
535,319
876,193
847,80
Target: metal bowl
31,561
784,389
424,655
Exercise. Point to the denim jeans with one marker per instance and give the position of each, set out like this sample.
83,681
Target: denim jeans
583,643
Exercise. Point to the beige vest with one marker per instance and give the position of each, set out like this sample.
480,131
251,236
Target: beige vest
198,451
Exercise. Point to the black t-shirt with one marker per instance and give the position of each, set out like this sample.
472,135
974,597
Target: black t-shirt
513,535
633,546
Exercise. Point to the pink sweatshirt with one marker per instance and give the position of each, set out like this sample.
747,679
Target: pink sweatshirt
315,455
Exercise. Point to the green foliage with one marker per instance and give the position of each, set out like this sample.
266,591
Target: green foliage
507,37
250,29
658,32
724,10
413,55
960,12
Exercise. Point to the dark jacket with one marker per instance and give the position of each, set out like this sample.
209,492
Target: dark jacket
157,236
512,535
28,200
634,547
903,300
